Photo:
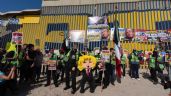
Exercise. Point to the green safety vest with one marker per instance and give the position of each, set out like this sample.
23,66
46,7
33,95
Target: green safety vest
134,58
77,56
66,57
113,62
14,62
160,59
20,56
123,59
62,58
97,57
152,62
91,53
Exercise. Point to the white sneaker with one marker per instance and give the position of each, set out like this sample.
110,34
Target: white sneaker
138,79
133,78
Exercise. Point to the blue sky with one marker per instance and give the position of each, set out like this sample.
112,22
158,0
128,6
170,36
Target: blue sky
17,5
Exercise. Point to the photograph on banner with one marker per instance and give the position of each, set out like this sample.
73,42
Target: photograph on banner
97,22
140,35
121,33
17,37
77,36
151,36
105,55
129,34
105,34
94,34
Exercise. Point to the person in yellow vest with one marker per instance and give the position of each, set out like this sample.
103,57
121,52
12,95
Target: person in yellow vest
71,67
160,64
134,60
112,66
152,68
123,63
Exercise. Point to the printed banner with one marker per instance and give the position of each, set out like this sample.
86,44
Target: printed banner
121,33
140,35
17,37
151,35
94,34
105,55
77,36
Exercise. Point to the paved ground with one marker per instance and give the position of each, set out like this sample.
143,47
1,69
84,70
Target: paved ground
128,87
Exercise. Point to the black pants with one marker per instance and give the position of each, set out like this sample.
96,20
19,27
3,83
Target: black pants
22,73
3,89
123,69
52,74
88,79
109,74
161,75
37,72
62,71
99,79
153,74
68,69
135,70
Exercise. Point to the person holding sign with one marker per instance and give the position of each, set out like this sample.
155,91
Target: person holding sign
106,59
51,71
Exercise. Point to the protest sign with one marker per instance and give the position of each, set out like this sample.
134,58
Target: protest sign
77,36
17,38
105,55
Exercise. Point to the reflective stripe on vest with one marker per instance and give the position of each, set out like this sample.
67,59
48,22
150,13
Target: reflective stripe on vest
134,59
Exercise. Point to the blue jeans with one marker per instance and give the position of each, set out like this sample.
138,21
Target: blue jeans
135,70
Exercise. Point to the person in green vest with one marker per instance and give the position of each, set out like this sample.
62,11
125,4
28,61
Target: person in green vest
160,63
51,71
134,61
112,66
123,63
71,67
152,67
11,61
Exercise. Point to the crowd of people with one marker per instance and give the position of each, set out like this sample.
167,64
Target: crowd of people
25,64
